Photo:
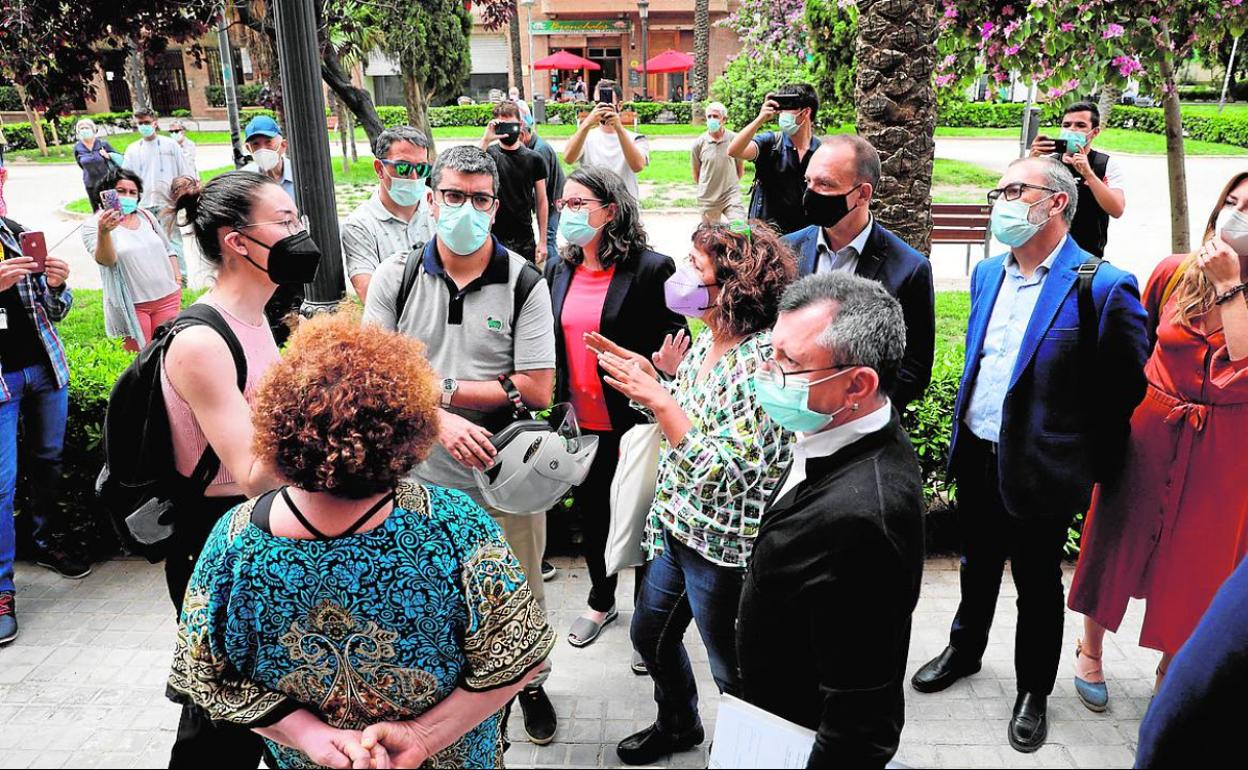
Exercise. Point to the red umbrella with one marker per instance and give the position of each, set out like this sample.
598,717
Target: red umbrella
669,61
565,60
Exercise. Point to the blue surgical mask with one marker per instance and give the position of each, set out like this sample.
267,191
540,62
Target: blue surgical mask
1011,221
128,205
788,123
146,130
463,229
407,192
789,406
714,124
1075,140
575,227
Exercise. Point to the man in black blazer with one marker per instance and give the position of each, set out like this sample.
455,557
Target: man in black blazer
841,544
844,237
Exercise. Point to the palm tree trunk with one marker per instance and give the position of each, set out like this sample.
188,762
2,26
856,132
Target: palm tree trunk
1109,98
701,58
517,64
1176,161
136,76
896,106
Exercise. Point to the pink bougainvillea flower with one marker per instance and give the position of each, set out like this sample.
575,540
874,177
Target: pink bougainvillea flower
985,30
1011,50
1066,27
1113,31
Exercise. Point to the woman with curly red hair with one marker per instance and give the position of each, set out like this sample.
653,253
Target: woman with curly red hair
721,457
394,612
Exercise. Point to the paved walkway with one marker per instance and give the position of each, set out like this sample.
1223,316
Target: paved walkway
83,686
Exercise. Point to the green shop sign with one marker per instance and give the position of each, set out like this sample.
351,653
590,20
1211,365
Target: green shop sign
578,27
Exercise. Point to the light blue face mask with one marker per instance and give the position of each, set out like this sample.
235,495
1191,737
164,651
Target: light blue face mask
575,227
407,192
1011,221
1075,140
789,406
788,123
463,229
128,205
146,130
714,124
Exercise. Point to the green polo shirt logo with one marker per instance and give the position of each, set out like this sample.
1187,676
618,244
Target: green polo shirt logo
493,324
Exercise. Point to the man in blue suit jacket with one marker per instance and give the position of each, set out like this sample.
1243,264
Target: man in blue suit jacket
1033,430
843,236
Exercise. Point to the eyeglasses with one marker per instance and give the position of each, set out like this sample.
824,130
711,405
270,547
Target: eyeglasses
575,204
295,225
480,201
771,368
407,169
1014,191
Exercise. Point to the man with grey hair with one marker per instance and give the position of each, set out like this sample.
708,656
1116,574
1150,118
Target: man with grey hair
1055,351
842,236
396,218
717,174
484,315
842,541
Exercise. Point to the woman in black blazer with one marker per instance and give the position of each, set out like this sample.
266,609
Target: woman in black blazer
608,282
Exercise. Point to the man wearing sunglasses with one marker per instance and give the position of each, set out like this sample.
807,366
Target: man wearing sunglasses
842,539
396,219
1055,352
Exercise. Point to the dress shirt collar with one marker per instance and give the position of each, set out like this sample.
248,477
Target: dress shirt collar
827,443
1012,268
859,242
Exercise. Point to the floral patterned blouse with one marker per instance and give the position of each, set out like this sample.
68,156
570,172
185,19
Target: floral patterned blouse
376,626
713,485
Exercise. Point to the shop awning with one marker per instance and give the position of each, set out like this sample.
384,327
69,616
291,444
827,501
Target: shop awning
669,61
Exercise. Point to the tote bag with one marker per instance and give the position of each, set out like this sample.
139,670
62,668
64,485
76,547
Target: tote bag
632,493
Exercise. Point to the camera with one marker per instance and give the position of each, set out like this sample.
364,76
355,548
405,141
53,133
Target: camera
787,101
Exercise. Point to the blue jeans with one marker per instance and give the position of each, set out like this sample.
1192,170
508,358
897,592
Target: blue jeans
680,586
552,235
42,408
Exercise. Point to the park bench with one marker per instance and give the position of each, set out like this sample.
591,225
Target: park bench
966,223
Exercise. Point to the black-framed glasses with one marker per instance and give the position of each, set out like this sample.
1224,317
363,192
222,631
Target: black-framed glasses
480,201
772,368
576,204
407,169
1014,191
293,225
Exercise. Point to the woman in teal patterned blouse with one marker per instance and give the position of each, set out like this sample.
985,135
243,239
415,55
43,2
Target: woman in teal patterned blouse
353,617
720,460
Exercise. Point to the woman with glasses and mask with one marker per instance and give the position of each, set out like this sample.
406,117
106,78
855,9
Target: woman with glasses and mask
608,284
1174,525
721,458
138,264
251,233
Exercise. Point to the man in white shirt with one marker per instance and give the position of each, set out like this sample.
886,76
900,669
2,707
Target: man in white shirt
396,219
601,140
158,160
177,130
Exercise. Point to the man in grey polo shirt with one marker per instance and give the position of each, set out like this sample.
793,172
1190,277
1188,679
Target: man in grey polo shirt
460,305
396,218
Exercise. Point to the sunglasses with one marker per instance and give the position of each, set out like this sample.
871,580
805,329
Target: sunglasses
407,169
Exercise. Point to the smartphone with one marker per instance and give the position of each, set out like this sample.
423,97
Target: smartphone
507,130
786,101
1060,146
608,105
34,246
109,199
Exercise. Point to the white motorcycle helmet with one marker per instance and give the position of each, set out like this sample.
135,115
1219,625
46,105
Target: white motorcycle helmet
538,461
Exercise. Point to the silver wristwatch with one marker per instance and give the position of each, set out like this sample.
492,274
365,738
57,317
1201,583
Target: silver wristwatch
449,386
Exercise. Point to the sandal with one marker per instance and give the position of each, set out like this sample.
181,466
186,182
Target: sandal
1094,695
584,631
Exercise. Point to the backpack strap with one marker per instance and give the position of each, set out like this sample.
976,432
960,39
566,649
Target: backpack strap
1089,323
411,270
528,279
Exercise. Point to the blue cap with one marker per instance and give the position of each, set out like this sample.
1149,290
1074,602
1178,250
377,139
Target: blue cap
262,125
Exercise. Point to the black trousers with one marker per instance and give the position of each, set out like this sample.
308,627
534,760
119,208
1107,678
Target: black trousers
594,497
990,535
201,743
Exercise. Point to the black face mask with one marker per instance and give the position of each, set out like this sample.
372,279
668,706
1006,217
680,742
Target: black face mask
826,210
293,259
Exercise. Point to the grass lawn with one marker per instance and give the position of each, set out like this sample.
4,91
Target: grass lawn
1210,109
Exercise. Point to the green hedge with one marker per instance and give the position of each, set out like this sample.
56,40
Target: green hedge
480,114
9,100
1227,129
1199,93
21,137
248,95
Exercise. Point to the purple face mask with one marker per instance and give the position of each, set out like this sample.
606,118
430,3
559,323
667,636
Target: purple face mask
686,294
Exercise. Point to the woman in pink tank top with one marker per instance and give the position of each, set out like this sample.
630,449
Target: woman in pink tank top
251,232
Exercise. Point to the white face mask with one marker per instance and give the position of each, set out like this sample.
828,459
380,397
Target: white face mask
1232,227
266,160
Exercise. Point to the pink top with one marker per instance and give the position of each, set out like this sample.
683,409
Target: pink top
189,443
582,313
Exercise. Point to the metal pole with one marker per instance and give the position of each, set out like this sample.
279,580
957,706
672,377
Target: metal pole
308,134
230,87
532,72
1023,146
1230,67
645,56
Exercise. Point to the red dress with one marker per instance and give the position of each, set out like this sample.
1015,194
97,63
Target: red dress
1174,526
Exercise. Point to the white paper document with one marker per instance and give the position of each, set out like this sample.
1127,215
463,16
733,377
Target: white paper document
748,737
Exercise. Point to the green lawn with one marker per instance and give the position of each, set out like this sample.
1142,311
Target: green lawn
1210,109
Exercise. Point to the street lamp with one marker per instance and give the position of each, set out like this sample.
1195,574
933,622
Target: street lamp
643,10
532,78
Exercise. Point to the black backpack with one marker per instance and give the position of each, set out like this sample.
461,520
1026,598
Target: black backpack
139,479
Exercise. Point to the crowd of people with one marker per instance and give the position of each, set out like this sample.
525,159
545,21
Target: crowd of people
349,591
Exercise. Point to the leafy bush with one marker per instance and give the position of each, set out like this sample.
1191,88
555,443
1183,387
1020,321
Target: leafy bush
1227,129
9,100
745,84
833,35
248,95
1199,93
460,115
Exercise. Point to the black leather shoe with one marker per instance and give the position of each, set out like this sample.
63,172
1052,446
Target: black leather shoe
942,671
1029,727
540,721
652,744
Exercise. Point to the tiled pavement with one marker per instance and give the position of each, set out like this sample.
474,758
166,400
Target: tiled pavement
84,684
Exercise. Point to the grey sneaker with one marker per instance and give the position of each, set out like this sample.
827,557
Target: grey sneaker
8,617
